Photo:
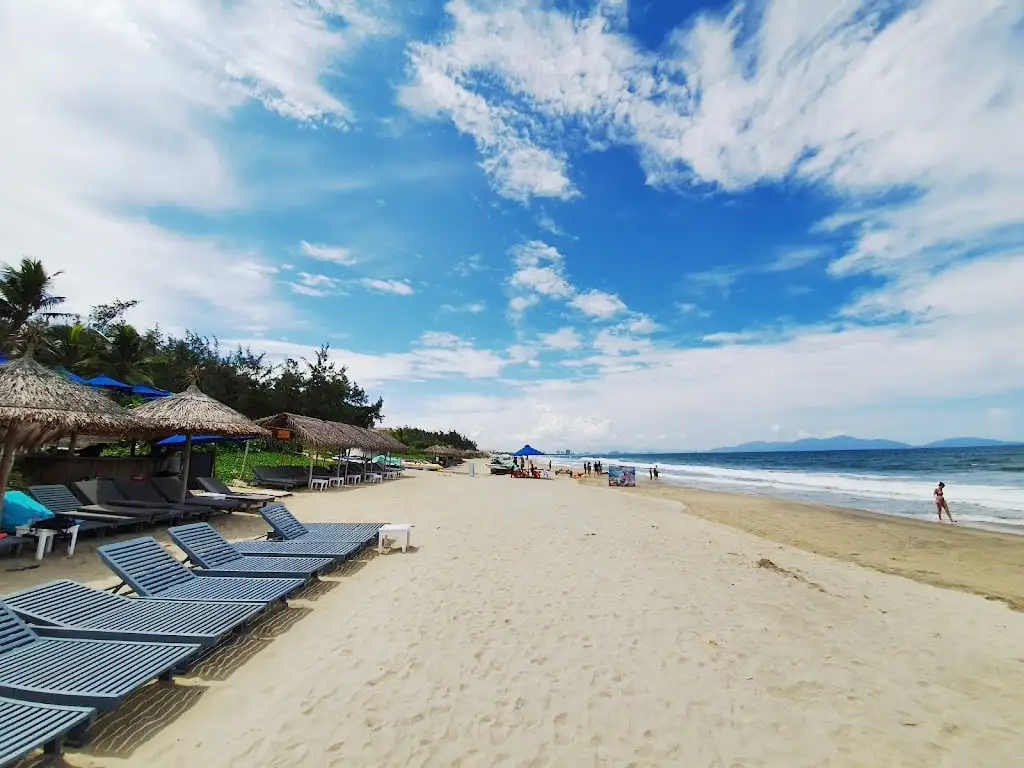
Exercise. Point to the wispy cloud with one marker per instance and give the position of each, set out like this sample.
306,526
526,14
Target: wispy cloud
333,253
471,307
396,287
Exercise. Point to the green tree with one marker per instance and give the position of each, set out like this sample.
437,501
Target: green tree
74,347
25,295
128,355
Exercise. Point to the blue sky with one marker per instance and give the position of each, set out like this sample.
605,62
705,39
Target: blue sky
592,225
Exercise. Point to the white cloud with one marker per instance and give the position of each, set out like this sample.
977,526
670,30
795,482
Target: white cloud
126,112
313,285
396,287
332,253
470,307
642,324
564,339
854,96
598,304
794,258
466,267
633,392
519,304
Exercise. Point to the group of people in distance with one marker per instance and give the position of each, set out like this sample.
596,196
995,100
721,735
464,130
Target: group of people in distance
592,468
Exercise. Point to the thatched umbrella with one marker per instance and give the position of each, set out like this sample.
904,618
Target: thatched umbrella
394,445
193,413
440,450
38,405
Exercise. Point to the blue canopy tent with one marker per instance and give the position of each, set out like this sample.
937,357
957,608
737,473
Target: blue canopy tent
528,450
106,382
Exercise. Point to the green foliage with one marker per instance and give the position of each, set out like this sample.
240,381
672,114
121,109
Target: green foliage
418,439
106,343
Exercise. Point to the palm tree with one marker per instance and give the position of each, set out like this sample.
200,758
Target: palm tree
74,347
25,295
129,355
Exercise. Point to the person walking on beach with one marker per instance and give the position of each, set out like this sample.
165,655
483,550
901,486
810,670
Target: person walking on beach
650,471
940,502
655,471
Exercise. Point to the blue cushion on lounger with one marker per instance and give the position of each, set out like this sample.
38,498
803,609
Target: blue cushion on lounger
22,509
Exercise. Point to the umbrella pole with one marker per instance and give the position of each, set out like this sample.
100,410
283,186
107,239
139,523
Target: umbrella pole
10,448
310,484
71,443
245,456
347,452
185,460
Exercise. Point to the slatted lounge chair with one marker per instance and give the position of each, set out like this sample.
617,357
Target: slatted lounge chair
142,491
286,526
151,572
86,673
25,726
336,550
69,609
213,485
62,502
103,493
170,489
210,551
271,479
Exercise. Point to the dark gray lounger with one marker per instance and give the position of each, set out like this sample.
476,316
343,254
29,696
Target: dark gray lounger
61,501
25,726
151,572
211,552
69,609
170,489
89,673
286,526
103,493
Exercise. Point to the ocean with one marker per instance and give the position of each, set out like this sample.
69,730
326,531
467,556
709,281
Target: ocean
984,486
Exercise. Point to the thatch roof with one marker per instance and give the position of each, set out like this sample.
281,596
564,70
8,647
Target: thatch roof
441,450
393,443
305,429
192,412
356,437
45,405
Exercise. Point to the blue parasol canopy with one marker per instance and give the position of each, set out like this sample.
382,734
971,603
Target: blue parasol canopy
528,450
142,389
71,376
105,381
180,439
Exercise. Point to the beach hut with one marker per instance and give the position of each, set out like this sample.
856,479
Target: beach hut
193,413
38,405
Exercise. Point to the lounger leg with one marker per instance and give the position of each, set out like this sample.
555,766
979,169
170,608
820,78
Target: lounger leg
55,747
74,540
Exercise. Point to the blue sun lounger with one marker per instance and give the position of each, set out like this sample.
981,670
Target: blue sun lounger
25,726
69,609
85,673
286,526
151,572
215,556
335,550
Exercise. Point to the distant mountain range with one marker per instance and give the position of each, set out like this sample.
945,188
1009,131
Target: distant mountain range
847,443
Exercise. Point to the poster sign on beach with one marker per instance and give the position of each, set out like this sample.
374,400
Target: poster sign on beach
622,476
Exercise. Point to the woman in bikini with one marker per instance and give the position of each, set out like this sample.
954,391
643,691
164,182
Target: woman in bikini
940,502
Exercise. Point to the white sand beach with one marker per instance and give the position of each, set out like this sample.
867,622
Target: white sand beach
545,623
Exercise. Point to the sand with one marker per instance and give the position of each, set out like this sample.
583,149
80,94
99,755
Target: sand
545,623
987,563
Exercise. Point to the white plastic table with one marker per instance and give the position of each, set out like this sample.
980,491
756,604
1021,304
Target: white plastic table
319,483
396,530
45,536
336,480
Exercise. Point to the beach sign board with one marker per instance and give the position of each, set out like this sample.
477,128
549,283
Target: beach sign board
622,476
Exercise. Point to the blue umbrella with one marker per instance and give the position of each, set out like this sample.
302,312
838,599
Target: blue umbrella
142,389
105,381
180,439
528,450
72,376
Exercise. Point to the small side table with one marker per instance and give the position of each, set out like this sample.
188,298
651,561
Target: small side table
398,530
45,537
319,483
336,480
